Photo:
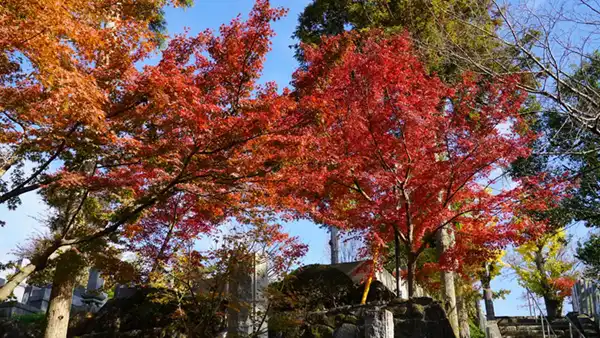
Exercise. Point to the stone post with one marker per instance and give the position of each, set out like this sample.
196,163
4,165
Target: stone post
45,300
247,314
95,282
379,323
575,297
595,304
480,316
93,297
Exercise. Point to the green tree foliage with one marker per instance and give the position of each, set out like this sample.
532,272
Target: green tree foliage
566,148
440,29
589,254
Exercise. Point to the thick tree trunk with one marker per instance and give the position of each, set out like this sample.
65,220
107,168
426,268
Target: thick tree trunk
553,308
463,315
488,300
7,289
444,241
61,297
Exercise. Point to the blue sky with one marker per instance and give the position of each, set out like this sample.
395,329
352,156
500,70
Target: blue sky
22,223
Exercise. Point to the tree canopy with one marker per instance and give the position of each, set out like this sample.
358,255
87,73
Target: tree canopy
438,29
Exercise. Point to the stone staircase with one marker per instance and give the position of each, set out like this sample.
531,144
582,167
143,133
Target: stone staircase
531,327
585,324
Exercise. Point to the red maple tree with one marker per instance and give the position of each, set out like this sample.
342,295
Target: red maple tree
196,124
62,64
399,155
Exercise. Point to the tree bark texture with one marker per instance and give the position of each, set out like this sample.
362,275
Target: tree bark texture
444,241
334,244
488,300
463,314
61,297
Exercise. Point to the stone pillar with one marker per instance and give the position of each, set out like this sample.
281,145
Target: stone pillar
246,315
575,297
45,300
584,304
492,330
93,297
595,303
95,282
480,316
28,291
379,323
124,291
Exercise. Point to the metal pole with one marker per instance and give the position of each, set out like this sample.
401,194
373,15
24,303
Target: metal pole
542,320
570,330
541,313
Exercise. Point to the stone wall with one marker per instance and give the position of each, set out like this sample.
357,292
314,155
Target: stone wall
420,317
12,309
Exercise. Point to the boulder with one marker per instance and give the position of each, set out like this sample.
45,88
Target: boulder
347,331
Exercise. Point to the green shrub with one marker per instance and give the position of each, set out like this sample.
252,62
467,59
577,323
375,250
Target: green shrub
33,318
475,330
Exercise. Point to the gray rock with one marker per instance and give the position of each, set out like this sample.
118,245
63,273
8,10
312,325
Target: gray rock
321,331
346,331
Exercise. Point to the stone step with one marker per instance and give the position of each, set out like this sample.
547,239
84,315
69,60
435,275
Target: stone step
590,328
536,333
532,336
531,327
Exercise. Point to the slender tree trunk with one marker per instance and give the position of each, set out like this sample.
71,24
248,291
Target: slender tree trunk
488,300
334,245
553,306
38,263
7,289
463,315
444,241
410,276
163,247
397,260
61,297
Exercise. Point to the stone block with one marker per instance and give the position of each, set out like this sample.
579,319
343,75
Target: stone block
346,331
11,309
379,323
